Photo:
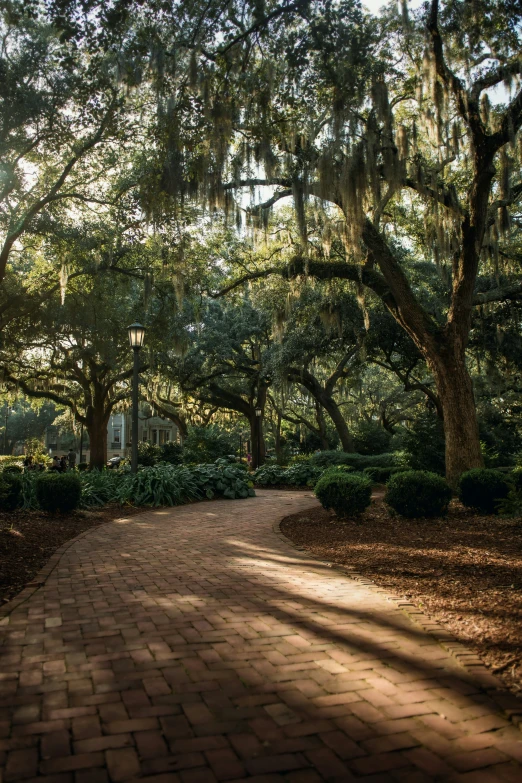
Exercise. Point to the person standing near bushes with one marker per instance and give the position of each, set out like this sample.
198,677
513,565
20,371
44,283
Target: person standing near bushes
71,458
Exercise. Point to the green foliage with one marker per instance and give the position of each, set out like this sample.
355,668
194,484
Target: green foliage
10,491
499,437
158,485
148,454
483,489
418,493
8,460
371,438
99,487
348,495
298,475
511,506
58,492
269,475
172,453
423,444
29,499
206,444
83,466
13,469
173,485
381,475
222,479
356,461
516,478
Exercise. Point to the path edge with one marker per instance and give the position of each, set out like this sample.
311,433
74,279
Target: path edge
472,664
41,576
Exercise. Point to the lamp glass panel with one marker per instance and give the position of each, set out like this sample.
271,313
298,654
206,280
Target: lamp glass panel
136,335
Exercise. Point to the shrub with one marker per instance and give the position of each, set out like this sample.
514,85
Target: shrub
11,491
418,493
381,475
371,438
326,459
172,453
423,443
58,492
347,495
159,485
268,475
483,489
299,475
203,445
13,469
302,475
222,479
83,466
99,487
148,454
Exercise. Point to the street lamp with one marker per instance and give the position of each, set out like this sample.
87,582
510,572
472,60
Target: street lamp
259,413
136,338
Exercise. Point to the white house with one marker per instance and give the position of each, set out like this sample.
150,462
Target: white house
151,428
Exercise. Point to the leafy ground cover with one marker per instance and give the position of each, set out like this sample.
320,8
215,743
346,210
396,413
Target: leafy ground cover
464,570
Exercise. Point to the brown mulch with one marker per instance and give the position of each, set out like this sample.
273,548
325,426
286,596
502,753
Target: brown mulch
29,538
464,570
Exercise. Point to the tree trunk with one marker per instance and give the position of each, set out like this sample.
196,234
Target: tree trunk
455,391
321,424
97,421
333,410
257,441
277,436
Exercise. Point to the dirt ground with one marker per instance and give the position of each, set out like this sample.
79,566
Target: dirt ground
464,570
29,538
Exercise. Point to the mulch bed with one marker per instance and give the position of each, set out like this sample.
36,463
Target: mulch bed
29,538
464,570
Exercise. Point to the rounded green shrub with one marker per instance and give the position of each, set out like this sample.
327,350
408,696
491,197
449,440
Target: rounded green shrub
11,490
83,466
418,493
483,489
58,492
347,494
13,469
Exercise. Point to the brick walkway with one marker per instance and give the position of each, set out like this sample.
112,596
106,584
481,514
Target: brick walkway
195,644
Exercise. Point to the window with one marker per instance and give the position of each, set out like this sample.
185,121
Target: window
164,437
117,435
145,436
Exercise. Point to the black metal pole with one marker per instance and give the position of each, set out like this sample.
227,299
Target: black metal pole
258,442
81,442
134,438
5,431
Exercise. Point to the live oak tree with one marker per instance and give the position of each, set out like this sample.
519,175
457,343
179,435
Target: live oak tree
77,355
61,132
222,361
370,120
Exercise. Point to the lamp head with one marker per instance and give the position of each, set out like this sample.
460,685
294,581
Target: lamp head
136,335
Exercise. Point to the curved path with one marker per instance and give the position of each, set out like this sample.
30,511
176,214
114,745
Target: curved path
195,644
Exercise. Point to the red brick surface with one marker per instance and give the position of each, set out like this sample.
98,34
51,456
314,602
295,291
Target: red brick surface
196,644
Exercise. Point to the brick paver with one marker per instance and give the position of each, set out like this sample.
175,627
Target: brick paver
196,644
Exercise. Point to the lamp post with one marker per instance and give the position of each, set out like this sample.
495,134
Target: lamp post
259,413
136,338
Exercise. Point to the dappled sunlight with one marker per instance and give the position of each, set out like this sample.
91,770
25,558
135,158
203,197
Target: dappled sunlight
204,611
